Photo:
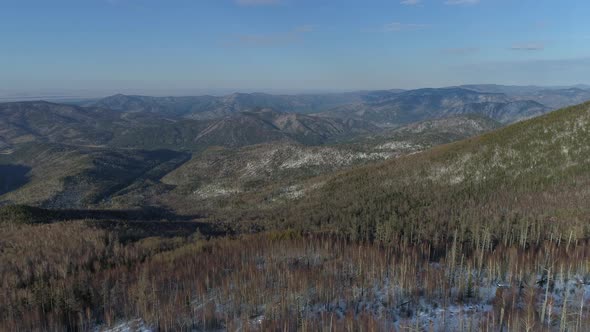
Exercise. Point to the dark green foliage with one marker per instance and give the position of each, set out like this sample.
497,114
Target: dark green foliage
23,214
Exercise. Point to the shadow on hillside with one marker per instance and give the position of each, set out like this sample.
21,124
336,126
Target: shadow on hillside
133,225
13,177
143,214
129,231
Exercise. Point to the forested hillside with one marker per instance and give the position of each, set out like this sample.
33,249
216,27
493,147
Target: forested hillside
519,185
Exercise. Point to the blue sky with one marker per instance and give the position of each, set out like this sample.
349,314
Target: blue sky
291,45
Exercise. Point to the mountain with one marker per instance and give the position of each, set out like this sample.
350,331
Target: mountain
417,105
440,131
553,97
506,104
22,122
281,169
558,98
502,112
211,107
101,127
61,176
510,90
241,129
239,154
530,176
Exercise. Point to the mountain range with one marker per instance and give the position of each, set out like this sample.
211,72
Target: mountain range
127,150
466,209
384,107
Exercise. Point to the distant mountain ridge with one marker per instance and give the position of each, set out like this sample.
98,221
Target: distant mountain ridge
24,122
118,151
210,107
383,107
242,129
553,97
422,104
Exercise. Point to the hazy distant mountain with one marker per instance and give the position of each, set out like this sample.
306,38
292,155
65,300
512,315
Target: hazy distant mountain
503,112
417,105
119,152
22,122
553,97
67,124
241,129
510,90
210,107
558,98
385,107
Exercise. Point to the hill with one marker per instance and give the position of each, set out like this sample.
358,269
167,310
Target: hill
553,97
62,176
45,122
282,169
422,104
119,174
22,122
520,184
242,129
211,107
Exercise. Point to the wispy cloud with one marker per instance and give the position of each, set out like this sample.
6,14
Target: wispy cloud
305,28
398,26
411,2
271,40
257,2
461,50
461,2
528,47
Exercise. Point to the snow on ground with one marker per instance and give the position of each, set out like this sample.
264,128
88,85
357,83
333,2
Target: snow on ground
215,191
399,145
422,313
136,325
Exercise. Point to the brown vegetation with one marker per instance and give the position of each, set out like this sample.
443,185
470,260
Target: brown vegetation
73,276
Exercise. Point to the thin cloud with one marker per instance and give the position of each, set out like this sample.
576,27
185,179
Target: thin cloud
257,2
461,50
271,40
305,28
461,2
398,26
411,2
528,47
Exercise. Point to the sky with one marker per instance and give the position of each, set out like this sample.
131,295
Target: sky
183,46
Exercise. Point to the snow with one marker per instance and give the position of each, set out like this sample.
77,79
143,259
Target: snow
136,325
215,191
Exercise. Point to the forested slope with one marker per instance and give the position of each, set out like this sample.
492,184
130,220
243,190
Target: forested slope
521,184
